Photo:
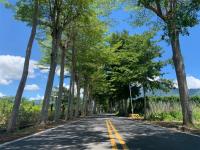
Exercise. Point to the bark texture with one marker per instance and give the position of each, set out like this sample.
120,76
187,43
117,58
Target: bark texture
170,18
145,103
78,97
56,35
62,71
73,72
181,78
69,101
20,89
84,99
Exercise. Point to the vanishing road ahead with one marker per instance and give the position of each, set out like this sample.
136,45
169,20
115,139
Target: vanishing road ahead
107,132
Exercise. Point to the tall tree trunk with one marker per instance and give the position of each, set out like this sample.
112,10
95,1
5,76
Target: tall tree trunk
18,97
56,35
121,107
123,110
88,101
72,99
145,103
69,101
94,107
126,107
84,99
78,97
73,77
181,78
60,93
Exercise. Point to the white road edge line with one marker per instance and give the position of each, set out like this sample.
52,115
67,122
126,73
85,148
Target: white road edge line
35,134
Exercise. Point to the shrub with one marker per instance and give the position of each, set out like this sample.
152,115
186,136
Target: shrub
169,108
28,113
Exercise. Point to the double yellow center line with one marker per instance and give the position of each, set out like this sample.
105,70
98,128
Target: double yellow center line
111,129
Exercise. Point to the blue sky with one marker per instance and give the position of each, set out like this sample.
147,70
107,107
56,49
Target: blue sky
14,37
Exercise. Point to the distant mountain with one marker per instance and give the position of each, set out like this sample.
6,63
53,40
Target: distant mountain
194,92
175,92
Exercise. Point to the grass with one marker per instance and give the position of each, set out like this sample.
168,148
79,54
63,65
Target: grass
169,114
170,111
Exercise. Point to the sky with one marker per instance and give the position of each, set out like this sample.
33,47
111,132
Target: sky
14,36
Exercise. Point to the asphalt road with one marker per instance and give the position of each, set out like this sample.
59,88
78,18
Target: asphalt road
107,132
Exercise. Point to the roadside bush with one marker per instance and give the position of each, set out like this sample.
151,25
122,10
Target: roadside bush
5,110
161,116
28,113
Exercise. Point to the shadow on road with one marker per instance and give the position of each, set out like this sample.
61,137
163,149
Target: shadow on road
80,135
141,136
91,133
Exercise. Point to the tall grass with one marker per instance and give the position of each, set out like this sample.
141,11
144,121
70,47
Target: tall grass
28,113
168,109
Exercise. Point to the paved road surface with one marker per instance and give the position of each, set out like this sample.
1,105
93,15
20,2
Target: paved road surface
107,132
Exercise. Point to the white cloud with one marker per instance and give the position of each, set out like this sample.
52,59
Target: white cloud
193,83
2,95
37,97
32,87
43,68
5,82
66,85
11,68
58,71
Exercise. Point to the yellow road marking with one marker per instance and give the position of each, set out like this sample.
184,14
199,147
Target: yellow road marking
112,138
121,141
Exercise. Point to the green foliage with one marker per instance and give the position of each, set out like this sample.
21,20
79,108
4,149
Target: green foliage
133,59
6,3
181,15
169,109
5,110
166,116
166,108
164,99
195,99
28,113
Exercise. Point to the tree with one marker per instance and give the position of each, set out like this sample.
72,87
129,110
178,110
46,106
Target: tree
18,97
83,33
132,61
73,73
176,16
63,48
88,33
61,13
